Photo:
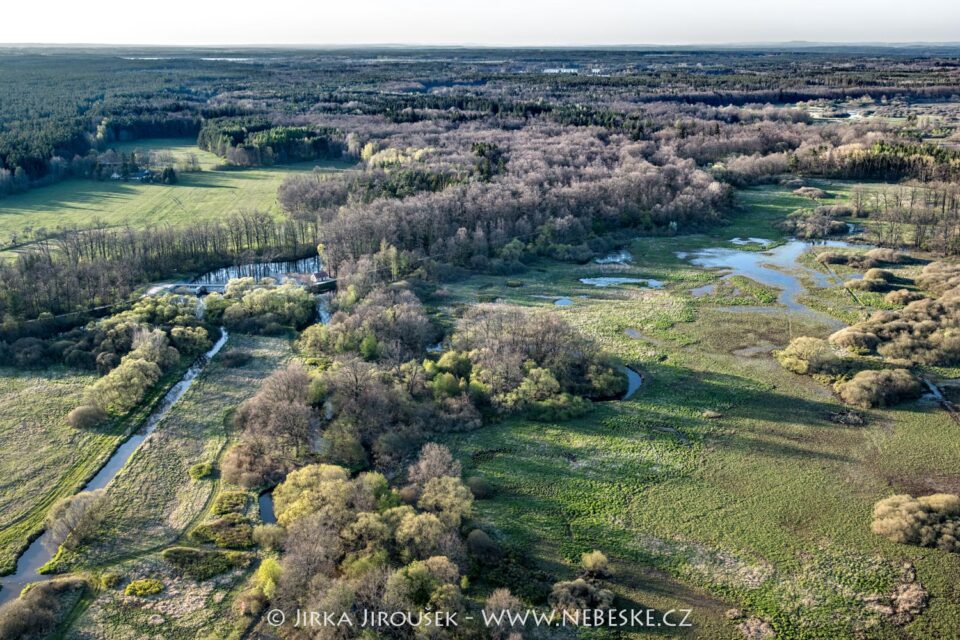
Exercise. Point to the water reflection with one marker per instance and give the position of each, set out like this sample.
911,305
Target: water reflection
260,270
779,267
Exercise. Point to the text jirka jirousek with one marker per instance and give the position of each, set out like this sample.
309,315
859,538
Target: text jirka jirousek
637,618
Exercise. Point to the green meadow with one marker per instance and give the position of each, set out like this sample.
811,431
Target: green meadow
725,484
209,194
729,481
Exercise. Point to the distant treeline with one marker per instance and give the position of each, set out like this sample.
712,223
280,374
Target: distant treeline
75,103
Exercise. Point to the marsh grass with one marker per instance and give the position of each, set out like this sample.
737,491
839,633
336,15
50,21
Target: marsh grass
766,508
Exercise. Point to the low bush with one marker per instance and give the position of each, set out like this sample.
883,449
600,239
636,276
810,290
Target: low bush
867,284
595,564
86,416
879,274
251,602
201,564
110,580
808,356
888,256
575,596
902,297
480,487
483,547
927,521
832,257
939,277
881,388
232,531
201,470
234,358
144,588
923,332
230,502
811,192
850,338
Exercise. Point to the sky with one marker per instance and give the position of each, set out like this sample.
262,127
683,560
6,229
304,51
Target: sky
477,22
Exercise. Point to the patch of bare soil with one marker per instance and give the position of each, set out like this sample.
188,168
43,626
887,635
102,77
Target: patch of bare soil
847,418
926,484
907,601
761,348
756,629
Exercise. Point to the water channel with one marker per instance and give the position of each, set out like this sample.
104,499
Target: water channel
39,552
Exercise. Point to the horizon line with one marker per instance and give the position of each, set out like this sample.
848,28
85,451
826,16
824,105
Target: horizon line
470,45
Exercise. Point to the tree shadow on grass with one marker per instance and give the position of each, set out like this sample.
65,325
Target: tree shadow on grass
675,402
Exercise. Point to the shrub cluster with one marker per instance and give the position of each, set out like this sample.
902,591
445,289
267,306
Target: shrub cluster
819,223
867,260
940,277
247,306
521,362
387,325
576,596
808,356
902,297
928,521
40,610
101,344
923,332
350,539
144,588
202,564
125,386
881,255
879,388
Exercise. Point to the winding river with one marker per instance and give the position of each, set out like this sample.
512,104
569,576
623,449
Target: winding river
39,552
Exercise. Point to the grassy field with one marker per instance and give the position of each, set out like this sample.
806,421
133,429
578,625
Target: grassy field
725,481
155,504
42,458
186,609
153,499
206,195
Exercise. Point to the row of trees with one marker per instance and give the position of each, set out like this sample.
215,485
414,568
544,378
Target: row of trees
99,265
